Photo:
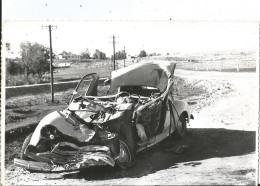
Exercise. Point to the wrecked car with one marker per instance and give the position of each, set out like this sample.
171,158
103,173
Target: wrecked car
110,130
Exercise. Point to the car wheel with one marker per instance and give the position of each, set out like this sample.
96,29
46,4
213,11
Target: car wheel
181,128
125,159
25,144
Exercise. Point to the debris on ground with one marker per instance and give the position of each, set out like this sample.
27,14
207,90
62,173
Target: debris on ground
178,149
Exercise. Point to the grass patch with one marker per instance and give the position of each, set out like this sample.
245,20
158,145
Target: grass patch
18,80
23,111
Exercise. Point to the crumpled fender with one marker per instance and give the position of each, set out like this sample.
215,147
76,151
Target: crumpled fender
56,120
181,107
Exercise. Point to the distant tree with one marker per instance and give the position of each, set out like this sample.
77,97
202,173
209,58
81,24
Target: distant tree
103,56
99,55
64,55
85,54
120,55
8,47
142,54
12,67
35,58
70,54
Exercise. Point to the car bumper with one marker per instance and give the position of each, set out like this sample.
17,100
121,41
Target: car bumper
48,167
59,159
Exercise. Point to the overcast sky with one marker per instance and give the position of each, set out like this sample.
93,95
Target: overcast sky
155,26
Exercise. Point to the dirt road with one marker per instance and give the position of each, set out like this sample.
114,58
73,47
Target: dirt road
221,140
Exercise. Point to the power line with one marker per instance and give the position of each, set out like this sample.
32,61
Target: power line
50,27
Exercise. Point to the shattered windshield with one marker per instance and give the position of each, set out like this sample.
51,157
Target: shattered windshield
84,86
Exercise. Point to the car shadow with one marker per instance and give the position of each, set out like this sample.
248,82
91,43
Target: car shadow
203,144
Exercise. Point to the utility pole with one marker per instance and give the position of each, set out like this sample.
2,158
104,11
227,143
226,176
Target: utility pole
124,56
50,27
114,51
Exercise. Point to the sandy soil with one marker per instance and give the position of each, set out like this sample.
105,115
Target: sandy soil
222,141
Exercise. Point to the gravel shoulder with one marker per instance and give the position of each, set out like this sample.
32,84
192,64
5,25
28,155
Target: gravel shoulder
222,141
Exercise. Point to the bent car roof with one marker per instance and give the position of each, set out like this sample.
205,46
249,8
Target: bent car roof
152,73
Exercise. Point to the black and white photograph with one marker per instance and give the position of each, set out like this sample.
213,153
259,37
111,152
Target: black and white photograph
130,92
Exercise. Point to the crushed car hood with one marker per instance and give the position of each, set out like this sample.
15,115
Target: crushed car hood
152,74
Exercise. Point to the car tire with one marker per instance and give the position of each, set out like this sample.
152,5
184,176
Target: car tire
25,144
181,128
125,159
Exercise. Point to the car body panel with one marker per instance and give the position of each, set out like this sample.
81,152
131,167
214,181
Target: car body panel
153,74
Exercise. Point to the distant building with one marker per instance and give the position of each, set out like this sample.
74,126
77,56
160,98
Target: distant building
68,56
60,56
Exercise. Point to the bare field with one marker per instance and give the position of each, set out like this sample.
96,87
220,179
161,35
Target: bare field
218,61
226,62
77,70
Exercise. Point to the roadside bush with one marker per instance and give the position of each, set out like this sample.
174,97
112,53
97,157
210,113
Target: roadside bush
85,54
35,59
119,55
21,79
13,68
99,55
142,54
31,67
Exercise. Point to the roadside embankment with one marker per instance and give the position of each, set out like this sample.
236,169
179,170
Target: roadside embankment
41,88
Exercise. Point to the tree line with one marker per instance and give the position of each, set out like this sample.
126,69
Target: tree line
35,58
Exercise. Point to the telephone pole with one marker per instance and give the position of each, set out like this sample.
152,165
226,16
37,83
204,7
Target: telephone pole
114,51
124,56
50,27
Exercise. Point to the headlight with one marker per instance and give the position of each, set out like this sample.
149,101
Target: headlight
49,132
